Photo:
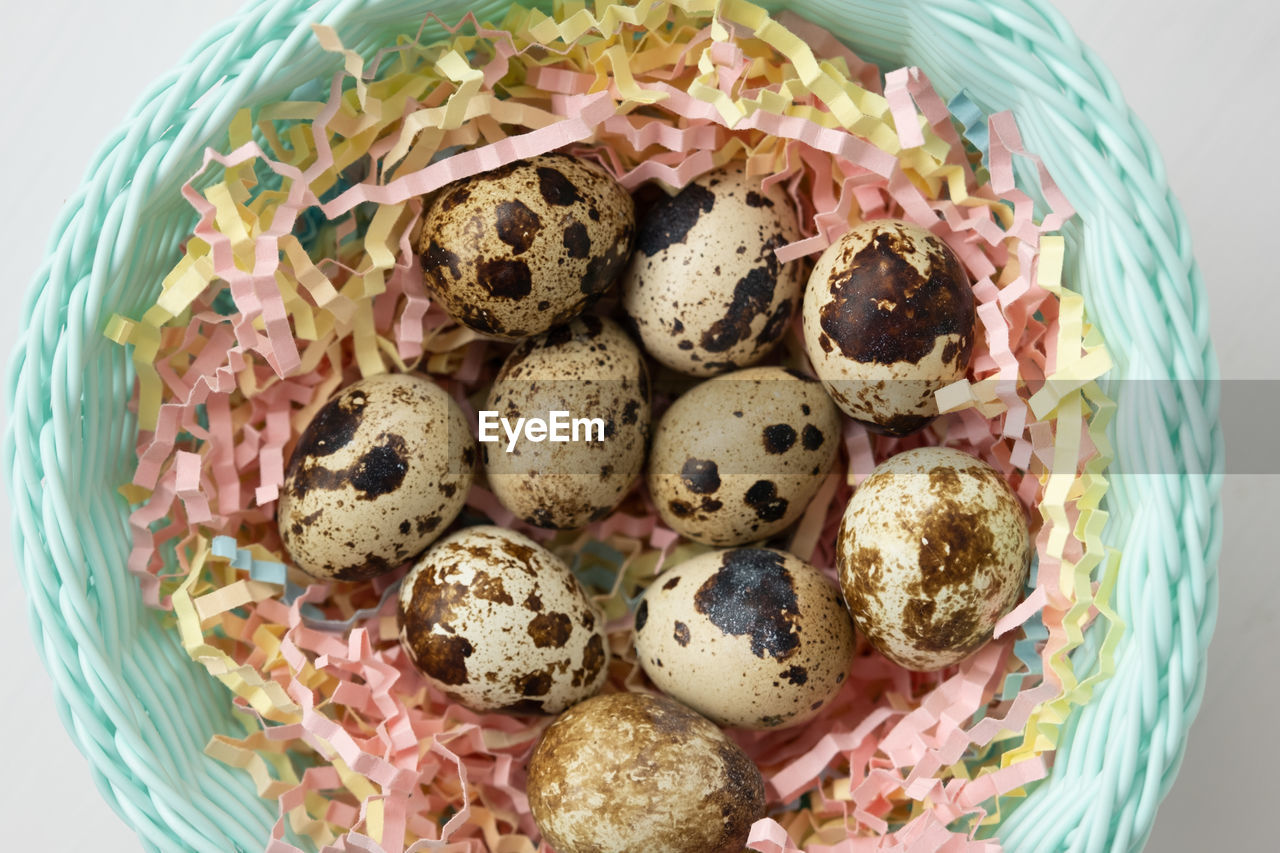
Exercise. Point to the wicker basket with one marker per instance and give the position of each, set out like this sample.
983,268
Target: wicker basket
142,712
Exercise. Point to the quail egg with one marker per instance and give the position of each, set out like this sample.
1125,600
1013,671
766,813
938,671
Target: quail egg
516,250
379,473
933,549
499,623
888,320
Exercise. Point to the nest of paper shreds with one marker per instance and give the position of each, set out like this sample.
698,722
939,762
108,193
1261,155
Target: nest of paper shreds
300,278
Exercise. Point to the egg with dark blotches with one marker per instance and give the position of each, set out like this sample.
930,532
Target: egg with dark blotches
888,320
636,773
516,250
379,473
499,623
704,288
591,373
737,458
933,549
748,637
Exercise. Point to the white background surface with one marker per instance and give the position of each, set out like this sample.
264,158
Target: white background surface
1202,75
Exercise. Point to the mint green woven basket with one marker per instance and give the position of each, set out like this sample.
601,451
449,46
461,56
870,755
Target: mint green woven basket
142,712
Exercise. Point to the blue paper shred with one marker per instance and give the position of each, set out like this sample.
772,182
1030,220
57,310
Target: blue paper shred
974,122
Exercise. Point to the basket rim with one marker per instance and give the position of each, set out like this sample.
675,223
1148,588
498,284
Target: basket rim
41,430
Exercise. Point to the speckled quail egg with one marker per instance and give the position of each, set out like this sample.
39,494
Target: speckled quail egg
888,320
499,623
738,457
933,549
516,250
635,773
380,472
704,288
747,637
588,382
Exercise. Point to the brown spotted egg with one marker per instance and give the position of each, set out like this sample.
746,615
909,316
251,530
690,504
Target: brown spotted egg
380,472
748,637
499,623
635,773
888,320
933,550
516,250
704,288
737,458
592,373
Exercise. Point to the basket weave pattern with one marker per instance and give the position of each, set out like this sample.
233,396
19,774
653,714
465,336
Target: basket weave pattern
142,711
